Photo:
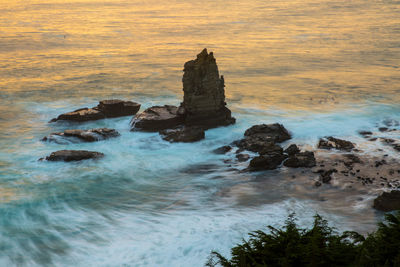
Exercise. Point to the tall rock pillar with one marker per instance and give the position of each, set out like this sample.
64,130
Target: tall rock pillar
204,94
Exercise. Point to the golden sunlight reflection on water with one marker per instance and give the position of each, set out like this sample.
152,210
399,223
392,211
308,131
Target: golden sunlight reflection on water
289,54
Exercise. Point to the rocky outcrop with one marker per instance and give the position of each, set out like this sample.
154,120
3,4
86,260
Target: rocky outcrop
157,118
91,135
184,134
301,159
73,155
339,144
388,201
263,137
105,109
204,94
292,150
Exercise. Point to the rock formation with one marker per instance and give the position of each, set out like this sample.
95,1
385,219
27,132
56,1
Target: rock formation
388,201
91,135
332,142
204,94
105,109
203,101
73,155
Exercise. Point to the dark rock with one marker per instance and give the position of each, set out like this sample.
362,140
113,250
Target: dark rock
73,155
292,149
383,129
331,142
326,176
365,134
105,109
184,134
317,183
388,201
388,140
396,147
268,148
91,135
242,157
118,108
157,118
204,94
274,132
269,161
302,159
222,150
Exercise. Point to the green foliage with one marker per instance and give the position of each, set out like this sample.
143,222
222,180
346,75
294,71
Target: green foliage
318,246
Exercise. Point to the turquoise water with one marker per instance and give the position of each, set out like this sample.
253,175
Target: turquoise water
318,67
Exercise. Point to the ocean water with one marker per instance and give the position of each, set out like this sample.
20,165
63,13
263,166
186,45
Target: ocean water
318,67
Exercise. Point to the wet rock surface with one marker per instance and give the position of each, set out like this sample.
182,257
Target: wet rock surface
73,155
301,159
388,201
204,94
157,118
292,150
335,143
91,135
222,150
268,161
105,109
184,134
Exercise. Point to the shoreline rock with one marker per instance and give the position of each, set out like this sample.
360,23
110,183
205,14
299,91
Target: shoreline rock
185,134
105,109
388,201
157,118
335,143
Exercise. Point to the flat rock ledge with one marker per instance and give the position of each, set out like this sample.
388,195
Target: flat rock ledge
157,118
91,135
73,155
105,109
185,134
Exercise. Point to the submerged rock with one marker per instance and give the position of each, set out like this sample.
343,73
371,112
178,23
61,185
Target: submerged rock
242,157
301,159
157,118
105,109
222,150
204,94
73,155
91,135
388,201
331,142
185,134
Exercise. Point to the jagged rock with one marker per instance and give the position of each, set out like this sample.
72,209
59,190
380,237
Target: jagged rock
388,201
331,142
91,135
204,95
105,109
292,149
269,161
73,155
185,134
302,159
270,148
222,150
157,118
242,157
365,134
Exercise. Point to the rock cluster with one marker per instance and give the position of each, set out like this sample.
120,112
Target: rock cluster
105,109
332,142
203,101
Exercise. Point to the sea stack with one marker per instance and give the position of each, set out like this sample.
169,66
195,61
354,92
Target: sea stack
203,103
204,94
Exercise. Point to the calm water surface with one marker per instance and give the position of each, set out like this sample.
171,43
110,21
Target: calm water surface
318,67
